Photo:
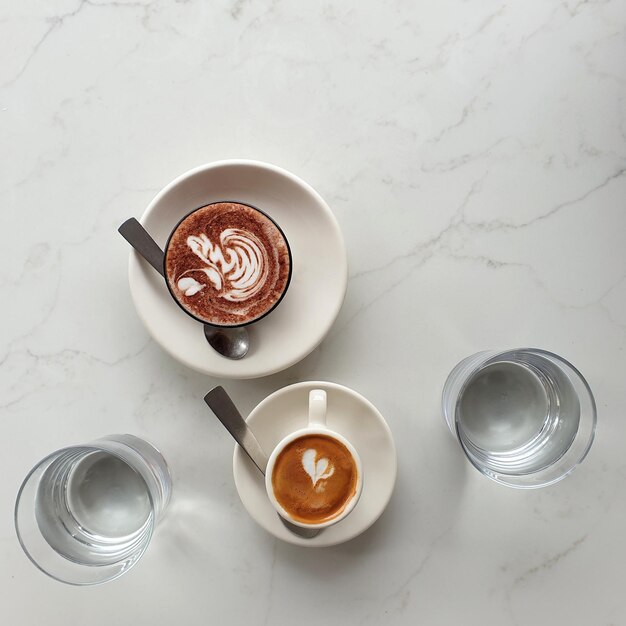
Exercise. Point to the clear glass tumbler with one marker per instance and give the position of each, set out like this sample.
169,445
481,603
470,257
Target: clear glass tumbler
85,514
524,418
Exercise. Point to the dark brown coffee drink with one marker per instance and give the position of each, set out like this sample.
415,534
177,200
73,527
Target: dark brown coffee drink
227,264
314,478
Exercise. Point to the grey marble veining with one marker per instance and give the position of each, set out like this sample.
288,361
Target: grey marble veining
475,156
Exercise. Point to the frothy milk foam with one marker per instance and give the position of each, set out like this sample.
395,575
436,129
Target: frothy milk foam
236,268
227,264
317,469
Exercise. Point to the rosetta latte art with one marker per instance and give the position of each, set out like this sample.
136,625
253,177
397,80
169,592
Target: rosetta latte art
236,267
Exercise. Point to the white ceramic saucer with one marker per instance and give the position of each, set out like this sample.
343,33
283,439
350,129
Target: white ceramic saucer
318,284
349,414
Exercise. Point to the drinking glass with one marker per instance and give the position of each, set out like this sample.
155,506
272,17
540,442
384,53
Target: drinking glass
524,418
85,514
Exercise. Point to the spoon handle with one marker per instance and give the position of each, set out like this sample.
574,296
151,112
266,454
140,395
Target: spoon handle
139,238
221,404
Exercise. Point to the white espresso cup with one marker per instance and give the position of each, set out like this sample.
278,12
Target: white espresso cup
316,426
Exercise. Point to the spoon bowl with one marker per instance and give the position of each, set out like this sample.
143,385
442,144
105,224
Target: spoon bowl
233,343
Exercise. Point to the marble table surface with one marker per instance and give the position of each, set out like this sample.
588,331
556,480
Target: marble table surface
475,156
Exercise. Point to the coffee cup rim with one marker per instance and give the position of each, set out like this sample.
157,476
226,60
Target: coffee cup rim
195,317
303,432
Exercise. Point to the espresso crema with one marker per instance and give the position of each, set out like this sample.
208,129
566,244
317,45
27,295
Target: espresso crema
314,478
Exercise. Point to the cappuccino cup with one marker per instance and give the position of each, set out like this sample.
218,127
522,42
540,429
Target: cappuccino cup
314,476
227,264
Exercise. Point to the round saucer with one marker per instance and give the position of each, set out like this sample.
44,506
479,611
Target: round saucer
318,283
349,414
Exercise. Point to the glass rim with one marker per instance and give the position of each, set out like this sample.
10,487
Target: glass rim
500,477
256,319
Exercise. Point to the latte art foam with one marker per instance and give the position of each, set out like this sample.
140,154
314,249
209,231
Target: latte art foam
227,263
237,267
317,469
314,478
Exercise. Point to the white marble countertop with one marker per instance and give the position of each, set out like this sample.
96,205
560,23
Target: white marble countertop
475,156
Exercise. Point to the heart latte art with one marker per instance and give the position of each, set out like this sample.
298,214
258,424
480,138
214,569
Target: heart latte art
314,478
227,264
317,469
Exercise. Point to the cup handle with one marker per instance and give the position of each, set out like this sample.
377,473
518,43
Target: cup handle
317,408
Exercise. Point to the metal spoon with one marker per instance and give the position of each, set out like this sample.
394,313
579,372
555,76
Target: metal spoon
233,343
222,405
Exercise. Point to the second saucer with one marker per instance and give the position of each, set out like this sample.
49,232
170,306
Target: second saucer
349,414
